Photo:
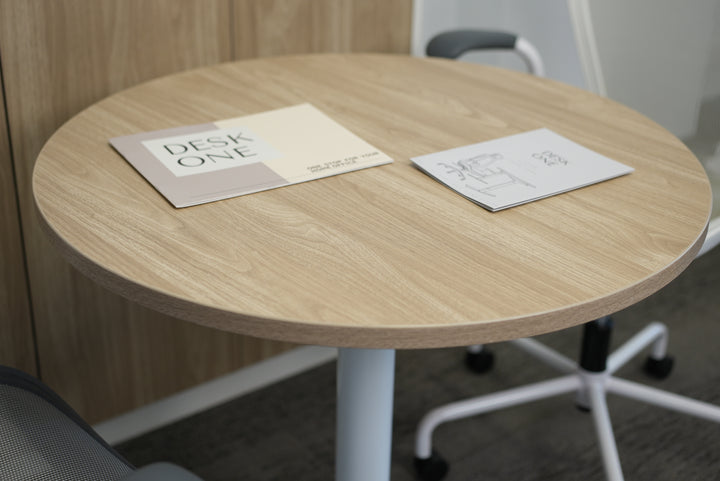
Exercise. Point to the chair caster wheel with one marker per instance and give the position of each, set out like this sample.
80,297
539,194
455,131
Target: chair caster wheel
433,468
479,362
658,368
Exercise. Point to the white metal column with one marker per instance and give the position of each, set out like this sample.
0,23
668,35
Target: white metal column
366,379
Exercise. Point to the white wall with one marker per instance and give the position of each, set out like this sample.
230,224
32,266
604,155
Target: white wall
654,56
546,24
712,80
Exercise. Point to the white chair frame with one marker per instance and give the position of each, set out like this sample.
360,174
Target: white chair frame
591,387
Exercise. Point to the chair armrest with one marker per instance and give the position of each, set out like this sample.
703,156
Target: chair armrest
161,472
454,43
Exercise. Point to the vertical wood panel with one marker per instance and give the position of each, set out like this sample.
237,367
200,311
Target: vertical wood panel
103,354
282,27
16,341
106,355
381,26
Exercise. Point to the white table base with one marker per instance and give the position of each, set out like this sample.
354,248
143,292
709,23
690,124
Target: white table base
365,380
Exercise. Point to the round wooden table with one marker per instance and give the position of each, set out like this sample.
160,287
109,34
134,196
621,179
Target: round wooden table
384,258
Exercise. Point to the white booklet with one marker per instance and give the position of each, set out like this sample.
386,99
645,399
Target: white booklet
521,168
194,164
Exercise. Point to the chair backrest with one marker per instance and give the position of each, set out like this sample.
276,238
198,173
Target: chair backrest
43,438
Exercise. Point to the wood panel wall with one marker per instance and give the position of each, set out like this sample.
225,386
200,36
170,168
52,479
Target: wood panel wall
106,355
16,339
282,27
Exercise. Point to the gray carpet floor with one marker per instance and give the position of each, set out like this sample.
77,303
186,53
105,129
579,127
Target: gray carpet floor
286,431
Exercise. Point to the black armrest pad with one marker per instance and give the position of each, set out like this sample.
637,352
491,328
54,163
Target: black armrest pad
454,43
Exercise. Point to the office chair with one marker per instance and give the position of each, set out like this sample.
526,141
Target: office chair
592,377
43,439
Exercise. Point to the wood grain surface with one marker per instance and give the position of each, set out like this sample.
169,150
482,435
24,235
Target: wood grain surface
385,257
265,28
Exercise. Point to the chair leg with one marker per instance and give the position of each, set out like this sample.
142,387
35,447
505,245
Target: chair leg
487,403
655,333
544,354
664,399
598,406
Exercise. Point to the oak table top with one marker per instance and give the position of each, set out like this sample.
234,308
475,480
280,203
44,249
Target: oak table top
384,257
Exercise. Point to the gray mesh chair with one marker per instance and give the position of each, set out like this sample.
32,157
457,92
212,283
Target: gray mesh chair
43,439
590,378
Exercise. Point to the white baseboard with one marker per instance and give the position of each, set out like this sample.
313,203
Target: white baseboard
213,393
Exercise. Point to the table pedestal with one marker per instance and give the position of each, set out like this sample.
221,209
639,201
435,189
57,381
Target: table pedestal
365,380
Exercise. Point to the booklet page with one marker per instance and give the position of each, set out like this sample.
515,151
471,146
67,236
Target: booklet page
513,170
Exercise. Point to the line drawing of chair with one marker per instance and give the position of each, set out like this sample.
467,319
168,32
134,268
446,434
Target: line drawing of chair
482,169
591,378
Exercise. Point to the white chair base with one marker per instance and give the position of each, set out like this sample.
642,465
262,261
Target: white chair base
591,388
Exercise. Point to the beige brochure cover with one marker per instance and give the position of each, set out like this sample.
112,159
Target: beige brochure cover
202,163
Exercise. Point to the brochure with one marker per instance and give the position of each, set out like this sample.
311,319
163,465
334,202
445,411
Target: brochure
521,168
195,164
